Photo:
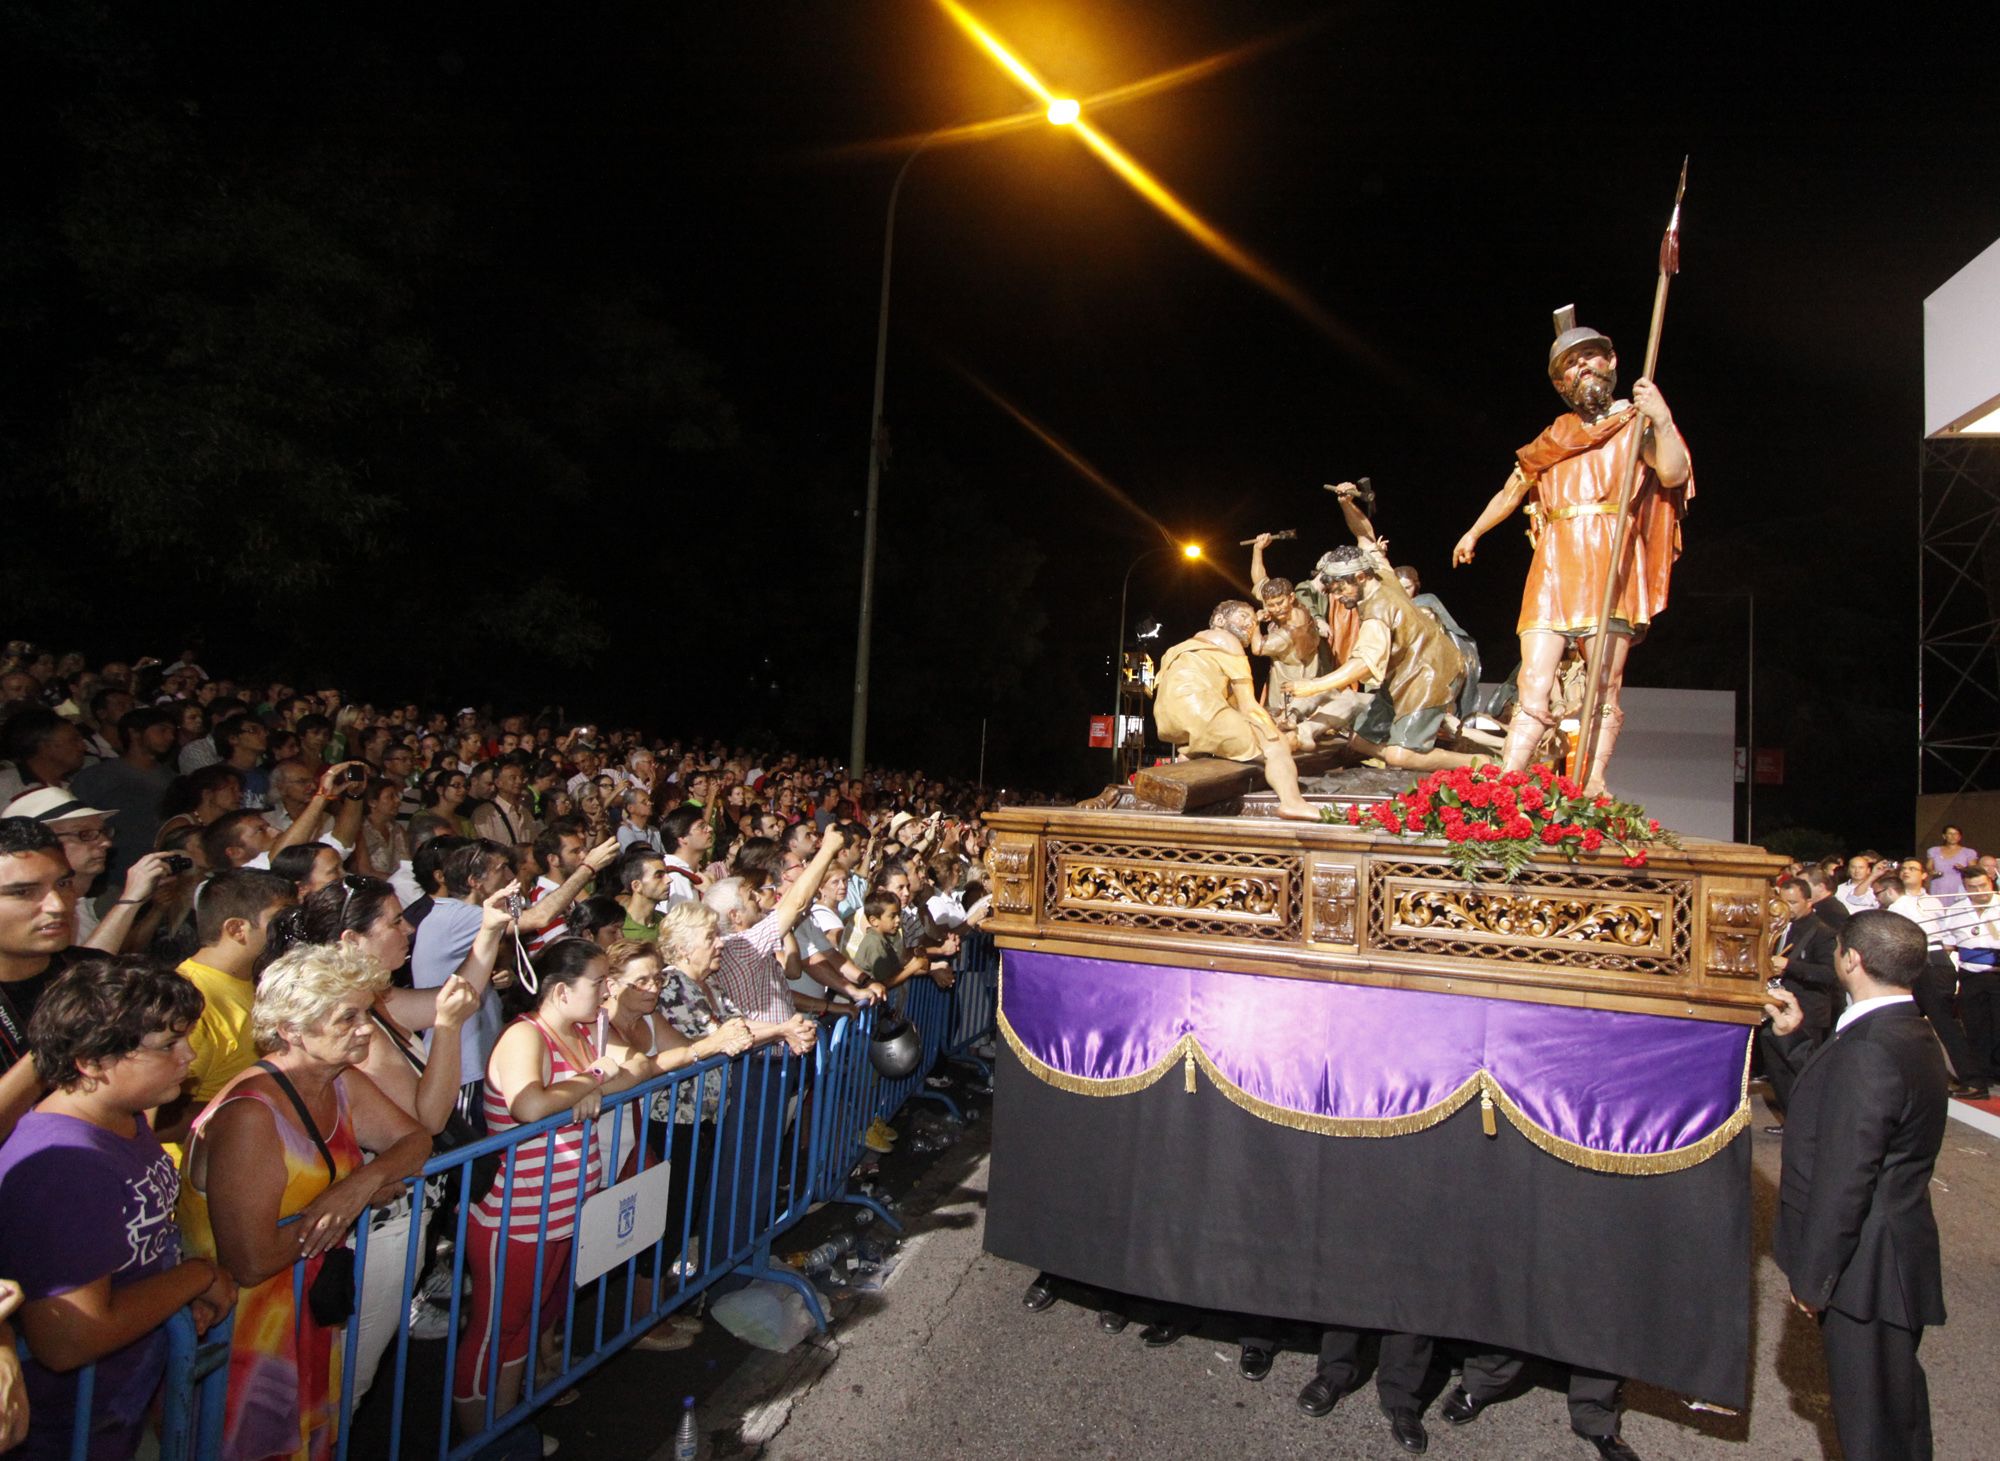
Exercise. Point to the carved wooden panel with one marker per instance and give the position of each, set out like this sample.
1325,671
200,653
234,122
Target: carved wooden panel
1737,928
1334,890
1627,923
1237,895
1012,867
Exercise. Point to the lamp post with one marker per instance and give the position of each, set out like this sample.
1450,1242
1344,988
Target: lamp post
1060,114
1189,551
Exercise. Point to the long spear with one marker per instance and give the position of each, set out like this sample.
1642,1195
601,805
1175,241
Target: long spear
1600,651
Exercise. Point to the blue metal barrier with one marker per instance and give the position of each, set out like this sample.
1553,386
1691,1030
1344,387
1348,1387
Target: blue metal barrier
193,1391
786,1134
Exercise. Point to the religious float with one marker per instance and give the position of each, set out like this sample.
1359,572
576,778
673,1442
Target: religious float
1311,1071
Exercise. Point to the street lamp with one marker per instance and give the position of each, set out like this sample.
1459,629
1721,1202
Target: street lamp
1188,551
864,635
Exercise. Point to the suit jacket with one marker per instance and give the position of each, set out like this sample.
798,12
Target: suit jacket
1867,1116
1832,912
1808,946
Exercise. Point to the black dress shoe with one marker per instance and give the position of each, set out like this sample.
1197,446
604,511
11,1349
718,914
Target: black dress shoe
1612,1448
1253,1363
1039,1296
1111,1321
1408,1429
1459,1407
1970,1092
1169,1331
1318,1397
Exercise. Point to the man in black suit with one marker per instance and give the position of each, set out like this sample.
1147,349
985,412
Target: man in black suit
1804,963
1825,904
1855,1233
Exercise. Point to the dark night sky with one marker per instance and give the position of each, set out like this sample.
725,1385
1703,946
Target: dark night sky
1438,179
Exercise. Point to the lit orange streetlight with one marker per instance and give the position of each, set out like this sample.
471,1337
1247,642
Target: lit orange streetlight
1064,111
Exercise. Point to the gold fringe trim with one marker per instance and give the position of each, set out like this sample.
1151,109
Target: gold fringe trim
1367,1126
1077,1085
1188,1052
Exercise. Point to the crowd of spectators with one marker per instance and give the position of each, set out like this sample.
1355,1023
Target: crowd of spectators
263,950
1949,892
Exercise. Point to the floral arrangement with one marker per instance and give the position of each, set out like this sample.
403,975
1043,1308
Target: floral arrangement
1501,818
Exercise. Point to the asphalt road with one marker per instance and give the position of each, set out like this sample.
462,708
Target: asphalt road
946,1363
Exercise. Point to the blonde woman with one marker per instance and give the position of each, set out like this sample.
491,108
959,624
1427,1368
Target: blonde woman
285,1139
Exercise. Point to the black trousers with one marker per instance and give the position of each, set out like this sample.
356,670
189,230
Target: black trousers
1881,1400
1400,1369
1932,992
1593,1396
1979,1007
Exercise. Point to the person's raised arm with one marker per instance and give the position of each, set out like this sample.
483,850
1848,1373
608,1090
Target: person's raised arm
1505,502
550,908
1257,546
798,897
1349,497
114,930
1663,449
438,1086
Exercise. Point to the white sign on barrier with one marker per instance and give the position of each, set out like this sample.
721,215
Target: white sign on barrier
619,1222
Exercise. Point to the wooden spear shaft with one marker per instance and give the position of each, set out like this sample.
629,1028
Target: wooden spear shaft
1600,648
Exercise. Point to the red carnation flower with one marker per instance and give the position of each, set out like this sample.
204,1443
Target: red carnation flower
1652,824
1513,778
1592,840
1637,859
1552,834
1457,833
1354,814
1520,827
1568,787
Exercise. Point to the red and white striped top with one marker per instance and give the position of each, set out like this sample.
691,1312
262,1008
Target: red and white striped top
527,1165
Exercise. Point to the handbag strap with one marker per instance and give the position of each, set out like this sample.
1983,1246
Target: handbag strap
395,1038
305,1116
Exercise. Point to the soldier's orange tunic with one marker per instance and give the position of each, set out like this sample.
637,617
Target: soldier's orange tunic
1573,473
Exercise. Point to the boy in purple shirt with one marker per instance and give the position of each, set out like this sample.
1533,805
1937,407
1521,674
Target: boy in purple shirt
87,1202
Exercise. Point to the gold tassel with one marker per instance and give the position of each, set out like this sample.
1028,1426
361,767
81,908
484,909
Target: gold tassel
1189,1067
1486,1121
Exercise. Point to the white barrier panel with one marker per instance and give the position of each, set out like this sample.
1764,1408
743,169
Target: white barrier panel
621,1222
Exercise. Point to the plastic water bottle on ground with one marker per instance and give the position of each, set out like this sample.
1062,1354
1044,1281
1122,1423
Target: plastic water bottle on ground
687,1434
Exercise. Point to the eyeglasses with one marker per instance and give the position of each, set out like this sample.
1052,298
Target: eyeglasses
94,837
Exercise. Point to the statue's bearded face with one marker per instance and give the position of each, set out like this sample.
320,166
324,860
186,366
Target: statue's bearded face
1588,380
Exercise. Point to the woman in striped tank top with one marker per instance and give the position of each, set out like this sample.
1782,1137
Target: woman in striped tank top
546,1063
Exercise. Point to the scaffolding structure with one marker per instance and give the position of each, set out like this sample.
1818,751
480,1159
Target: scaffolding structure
1958,644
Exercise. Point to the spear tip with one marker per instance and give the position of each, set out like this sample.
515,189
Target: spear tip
1681,190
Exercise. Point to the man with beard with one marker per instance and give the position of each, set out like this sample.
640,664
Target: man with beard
1569,477
1205,704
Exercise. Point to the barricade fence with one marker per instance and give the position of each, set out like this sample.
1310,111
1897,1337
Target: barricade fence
703,1169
